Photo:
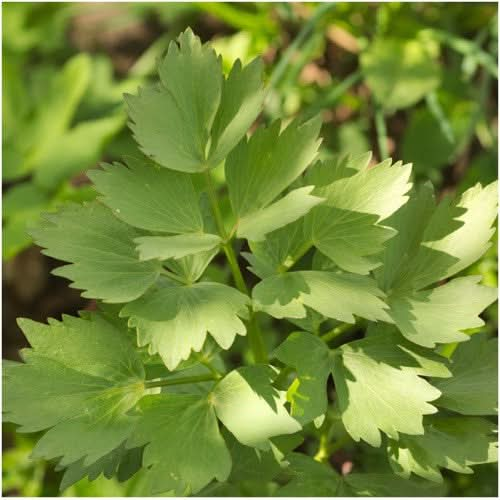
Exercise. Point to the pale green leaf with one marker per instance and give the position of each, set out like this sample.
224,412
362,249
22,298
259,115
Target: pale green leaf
104,261
454,443
337,296
292,206
260,168
457,234
345,227
440,315
373,378
195,117
184,449
175,247
174,319
399,72
251,408
156,199
473,388
80,378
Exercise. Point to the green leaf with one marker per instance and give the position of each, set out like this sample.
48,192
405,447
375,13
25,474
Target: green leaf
291,207
195,117
456,235
454,306
175,319
473,388
337,296
345,228
260,168
184,449
241,102
172,122
157,199
311,359
101,250
176,247
80,378
251,408
120,462
278,249
373,377
453,443
399,72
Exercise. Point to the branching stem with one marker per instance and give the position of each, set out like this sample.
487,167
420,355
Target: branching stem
254,334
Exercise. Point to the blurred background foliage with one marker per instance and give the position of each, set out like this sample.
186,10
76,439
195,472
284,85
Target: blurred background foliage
415,81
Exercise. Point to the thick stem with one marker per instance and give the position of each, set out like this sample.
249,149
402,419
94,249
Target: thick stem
179,381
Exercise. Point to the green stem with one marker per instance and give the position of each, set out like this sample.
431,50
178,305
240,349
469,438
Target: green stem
179,381
338,331
205,362
254,334
280,68
437,111
381,133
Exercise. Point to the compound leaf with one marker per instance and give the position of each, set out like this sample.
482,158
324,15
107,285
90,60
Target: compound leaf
172,122
184,449
241,102
373,377
80,378
174,319
101,249
195,117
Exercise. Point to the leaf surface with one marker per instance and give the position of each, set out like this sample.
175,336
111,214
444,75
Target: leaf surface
80,378
174,319
337,296
453,443
184,449
374,377
473,388
251,408
156,199
101,250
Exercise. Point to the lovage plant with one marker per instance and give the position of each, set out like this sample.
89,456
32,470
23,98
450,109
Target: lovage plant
159,381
